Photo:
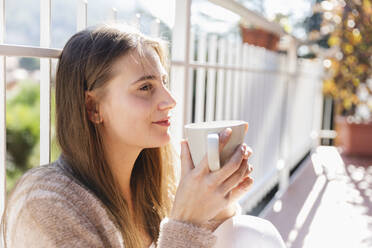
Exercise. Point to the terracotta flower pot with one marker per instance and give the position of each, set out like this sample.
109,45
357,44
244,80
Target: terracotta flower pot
260,37
354,138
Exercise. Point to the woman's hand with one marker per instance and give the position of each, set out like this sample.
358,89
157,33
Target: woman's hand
235,195
237,192
202,194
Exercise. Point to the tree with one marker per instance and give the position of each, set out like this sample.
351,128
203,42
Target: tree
350,67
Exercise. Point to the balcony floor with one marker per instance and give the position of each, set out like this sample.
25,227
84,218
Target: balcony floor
328,203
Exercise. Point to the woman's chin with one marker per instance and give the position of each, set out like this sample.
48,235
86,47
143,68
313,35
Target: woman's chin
161,141
165,139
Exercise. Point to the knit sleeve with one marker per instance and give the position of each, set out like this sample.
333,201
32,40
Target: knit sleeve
180,234
53,223
176,234
50,209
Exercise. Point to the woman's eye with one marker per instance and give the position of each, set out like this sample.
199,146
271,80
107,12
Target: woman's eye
147,87
165,83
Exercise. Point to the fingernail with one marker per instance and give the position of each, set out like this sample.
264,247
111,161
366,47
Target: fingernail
227,131
249,150
242,149
246,182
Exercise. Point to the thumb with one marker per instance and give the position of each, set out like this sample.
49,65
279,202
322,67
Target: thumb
186,161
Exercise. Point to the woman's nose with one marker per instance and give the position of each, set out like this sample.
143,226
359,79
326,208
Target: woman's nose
168,101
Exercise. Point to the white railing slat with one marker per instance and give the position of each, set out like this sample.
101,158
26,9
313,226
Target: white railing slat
2,118
211,83
155,28
229,81
2,136
81,15
237,81
200,78
197,65
29,51
2,22
244,78
261,131
190,83
288,125
248,85
113,15
136,21
180,74
254,100
221,80
45,78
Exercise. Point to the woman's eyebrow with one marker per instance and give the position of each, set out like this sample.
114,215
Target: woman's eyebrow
145,77
148,77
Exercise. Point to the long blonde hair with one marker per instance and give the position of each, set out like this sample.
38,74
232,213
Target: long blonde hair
85,64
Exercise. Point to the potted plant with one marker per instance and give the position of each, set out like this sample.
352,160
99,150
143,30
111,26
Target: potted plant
259,37
349,74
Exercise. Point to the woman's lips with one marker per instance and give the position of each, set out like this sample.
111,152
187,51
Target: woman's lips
163,123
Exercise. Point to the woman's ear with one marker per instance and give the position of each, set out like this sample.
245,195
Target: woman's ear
92,107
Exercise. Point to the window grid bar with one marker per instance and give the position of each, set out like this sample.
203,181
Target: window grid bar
45,78
2,117
82,13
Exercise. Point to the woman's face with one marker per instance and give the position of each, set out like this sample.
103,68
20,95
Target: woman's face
135,99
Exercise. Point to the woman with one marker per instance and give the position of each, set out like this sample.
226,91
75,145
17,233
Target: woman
113,184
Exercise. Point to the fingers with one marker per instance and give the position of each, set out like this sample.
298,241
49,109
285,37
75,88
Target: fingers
242,151
244,170
224,137
240,190
186,161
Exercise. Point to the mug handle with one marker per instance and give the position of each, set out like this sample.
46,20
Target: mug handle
213,151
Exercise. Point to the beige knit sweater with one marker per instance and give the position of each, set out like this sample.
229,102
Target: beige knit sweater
50,208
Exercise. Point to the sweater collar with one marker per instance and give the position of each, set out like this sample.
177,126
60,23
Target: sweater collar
63,163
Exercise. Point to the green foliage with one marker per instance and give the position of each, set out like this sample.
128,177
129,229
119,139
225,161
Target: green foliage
22,121
30,64
11,178
23,130
351,66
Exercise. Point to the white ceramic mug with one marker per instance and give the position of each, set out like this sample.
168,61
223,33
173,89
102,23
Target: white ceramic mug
203,138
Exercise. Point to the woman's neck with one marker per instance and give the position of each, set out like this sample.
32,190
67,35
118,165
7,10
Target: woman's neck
121,159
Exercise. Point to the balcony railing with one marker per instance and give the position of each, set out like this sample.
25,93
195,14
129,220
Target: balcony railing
278,94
